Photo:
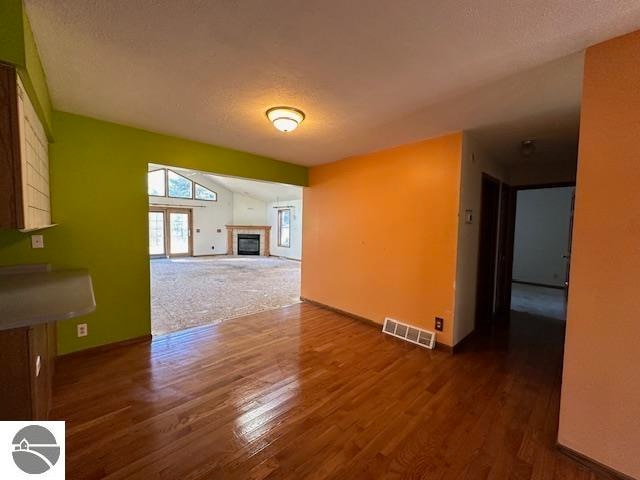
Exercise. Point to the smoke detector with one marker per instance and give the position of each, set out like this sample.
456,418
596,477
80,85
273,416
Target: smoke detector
527,148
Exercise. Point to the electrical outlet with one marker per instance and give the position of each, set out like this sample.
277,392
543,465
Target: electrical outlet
37,241
82,330
439,324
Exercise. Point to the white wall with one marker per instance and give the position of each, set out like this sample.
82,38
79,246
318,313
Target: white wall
295,250
248,211
208,217
542,235
475,162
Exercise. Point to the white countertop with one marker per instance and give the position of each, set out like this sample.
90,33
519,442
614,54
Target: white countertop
40,297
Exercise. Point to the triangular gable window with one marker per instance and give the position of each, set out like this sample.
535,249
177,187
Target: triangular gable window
179,186
203,193
167,183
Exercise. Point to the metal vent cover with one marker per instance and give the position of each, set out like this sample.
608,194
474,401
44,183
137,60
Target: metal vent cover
409,333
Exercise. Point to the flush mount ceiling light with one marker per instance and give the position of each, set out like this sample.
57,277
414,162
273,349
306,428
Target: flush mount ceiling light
285,119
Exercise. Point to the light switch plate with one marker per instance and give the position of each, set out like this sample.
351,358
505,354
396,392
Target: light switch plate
37,241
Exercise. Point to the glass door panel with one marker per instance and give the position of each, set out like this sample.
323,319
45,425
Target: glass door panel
179,229
156,233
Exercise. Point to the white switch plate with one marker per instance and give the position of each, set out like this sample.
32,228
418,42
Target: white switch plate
37,241
82,330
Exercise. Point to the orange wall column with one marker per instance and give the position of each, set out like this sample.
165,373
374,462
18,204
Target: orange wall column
600,406
380,233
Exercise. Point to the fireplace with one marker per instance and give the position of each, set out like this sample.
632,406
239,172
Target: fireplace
248,244
257,237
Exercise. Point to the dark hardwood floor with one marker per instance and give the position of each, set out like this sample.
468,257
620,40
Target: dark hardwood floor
302,392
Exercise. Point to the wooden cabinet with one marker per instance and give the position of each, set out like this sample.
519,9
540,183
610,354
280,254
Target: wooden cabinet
24,158
27,358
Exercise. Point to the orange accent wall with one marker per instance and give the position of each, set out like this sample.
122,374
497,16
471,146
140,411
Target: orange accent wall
380,233
600,406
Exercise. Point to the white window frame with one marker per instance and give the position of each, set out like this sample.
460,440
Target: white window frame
280,227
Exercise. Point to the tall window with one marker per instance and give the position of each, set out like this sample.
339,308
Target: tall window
156,233
167,183
284,228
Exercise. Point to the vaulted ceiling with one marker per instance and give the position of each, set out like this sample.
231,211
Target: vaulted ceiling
368,74
260,190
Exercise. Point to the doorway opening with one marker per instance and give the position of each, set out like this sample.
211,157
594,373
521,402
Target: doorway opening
488,252
220,247
524,251
542,250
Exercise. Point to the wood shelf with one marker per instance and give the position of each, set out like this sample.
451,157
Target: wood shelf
35,229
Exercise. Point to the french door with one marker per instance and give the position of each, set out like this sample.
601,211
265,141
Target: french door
170,232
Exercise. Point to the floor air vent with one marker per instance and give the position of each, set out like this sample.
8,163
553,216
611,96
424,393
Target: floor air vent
421,337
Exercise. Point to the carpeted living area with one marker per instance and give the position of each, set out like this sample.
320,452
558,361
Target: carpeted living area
193,291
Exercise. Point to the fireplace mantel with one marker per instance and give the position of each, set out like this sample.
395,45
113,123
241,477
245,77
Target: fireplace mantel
263,230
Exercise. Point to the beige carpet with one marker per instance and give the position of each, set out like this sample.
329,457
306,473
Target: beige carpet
188,292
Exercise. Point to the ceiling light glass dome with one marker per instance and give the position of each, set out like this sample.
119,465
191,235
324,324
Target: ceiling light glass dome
285,119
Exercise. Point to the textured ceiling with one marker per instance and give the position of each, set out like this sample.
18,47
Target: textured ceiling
541,104
368,74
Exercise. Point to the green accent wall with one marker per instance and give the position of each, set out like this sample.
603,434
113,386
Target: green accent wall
11,32
99,199
34,78
18,47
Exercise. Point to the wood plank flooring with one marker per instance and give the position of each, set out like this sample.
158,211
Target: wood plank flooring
306,393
